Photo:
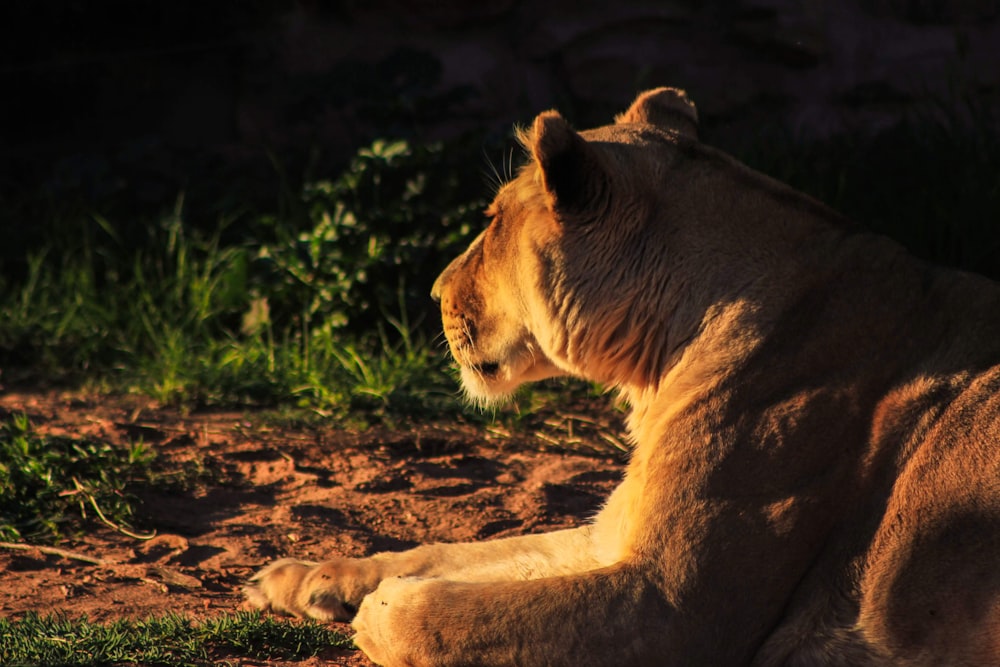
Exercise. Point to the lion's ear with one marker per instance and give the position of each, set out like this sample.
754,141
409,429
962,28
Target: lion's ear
572,172
669,108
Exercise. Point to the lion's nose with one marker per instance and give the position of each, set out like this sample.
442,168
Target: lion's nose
436,289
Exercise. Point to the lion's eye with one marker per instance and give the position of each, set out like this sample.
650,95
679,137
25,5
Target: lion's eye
496,220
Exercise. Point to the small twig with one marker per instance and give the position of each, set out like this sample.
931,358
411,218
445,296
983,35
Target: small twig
159,585
53,551
108,522
115,526
498,431
615,442
585,419
547,438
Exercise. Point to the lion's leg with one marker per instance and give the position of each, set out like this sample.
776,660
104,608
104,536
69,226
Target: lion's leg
610,616
332,590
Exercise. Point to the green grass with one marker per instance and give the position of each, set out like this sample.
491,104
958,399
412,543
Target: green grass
173,640
185,328
316,317
53,487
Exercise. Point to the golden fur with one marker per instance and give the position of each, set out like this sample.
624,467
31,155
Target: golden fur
816,419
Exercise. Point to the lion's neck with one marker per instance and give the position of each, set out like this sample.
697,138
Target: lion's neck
728,335
714,280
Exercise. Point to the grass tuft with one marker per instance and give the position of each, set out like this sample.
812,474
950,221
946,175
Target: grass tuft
165,640
51,486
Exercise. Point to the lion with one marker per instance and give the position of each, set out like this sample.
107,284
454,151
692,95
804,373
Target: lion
815,414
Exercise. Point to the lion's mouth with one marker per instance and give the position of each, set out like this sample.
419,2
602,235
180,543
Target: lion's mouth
486,369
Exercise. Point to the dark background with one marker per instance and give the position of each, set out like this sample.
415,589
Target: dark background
121,106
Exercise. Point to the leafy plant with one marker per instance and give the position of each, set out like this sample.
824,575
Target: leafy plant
387,225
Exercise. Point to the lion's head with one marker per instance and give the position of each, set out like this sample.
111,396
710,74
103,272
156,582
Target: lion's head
569,272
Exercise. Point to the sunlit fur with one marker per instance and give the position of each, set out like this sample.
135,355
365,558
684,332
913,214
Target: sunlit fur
816,418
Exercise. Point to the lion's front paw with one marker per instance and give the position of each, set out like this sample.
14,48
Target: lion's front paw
329,591
279,587
389,623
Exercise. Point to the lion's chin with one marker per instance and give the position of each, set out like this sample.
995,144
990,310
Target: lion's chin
491,383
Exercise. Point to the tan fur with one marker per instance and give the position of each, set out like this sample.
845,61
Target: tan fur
816,419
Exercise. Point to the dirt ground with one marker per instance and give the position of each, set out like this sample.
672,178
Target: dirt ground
305,491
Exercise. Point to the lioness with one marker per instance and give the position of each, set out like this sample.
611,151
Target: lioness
816,419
